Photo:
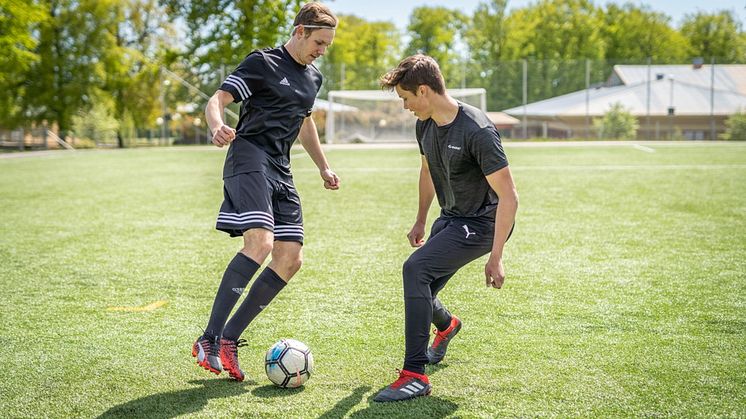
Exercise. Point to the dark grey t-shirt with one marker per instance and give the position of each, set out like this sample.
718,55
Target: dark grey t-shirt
277,94
460,155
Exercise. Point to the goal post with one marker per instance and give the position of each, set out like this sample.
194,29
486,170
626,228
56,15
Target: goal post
377,116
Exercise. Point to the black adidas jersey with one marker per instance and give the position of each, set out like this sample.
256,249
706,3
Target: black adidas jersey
460,155
277,94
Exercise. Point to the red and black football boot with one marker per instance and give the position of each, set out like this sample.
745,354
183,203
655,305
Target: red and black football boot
229,357
437,350
408,386
207,351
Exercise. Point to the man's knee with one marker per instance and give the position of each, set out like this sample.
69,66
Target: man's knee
258,244
290,261
287,258
416,278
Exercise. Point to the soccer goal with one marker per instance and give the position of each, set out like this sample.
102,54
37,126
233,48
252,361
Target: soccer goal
374,116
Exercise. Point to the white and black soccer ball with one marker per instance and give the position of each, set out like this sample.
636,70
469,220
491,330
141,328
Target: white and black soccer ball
289,363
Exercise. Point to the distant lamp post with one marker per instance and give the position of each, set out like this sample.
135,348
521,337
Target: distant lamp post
671,110
197,124
159,122
164,108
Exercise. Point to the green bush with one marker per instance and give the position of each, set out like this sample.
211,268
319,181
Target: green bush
97,124
617,123
736,127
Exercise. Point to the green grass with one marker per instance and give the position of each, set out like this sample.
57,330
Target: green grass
625,296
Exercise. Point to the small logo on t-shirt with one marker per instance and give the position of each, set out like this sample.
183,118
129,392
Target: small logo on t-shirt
453,147
285,81
468,233
238,291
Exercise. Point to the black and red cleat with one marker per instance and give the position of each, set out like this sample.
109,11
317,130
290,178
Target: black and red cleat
229,357
207,351
437,350
408,386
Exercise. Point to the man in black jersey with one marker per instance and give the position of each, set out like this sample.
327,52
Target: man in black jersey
464,165
277,88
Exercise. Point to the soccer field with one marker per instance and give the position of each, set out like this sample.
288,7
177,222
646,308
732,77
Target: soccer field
625,292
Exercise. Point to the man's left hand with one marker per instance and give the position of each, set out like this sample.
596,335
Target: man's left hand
494,273
331,180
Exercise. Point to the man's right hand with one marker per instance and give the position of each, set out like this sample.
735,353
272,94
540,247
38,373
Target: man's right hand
223,135
416,235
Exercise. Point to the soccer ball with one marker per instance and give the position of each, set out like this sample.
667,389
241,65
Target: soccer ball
289,363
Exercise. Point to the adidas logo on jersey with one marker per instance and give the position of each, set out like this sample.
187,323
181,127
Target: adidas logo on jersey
285,81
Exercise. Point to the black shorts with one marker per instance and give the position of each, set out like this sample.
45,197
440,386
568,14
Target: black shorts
252,200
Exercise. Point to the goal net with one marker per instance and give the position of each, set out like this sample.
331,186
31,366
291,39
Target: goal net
372,116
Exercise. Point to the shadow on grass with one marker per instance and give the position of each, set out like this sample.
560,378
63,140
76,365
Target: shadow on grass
420,407
272,390
432,369
177,403
343,406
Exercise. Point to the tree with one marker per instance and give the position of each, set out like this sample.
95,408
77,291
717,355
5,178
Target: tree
637,33
435,31
93,50
71,41
365,50
486,40
222,32
18,21
139,31
736,127
617,123
556,36
715,35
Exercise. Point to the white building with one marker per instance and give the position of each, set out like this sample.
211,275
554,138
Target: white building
691,101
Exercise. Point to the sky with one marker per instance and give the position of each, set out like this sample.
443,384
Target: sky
398,11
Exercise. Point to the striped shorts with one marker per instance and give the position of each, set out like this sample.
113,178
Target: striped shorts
252,200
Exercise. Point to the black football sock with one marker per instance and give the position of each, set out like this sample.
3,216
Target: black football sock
267,285
441,316
237,275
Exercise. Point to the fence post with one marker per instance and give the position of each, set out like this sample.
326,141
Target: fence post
712,100
587,98
647,114
525,97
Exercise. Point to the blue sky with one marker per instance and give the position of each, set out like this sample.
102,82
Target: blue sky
398,11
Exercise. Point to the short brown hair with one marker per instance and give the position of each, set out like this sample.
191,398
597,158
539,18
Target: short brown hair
314,14
413,72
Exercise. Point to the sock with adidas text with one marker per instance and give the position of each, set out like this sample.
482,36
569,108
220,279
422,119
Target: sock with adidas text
237,275
266,287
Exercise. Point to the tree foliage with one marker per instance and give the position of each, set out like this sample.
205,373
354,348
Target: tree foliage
636,33
61,57
736,127
435,31
362,51
18,21
222,32
715,35
617,123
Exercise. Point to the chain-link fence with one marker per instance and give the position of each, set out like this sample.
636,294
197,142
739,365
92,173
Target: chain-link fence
562,99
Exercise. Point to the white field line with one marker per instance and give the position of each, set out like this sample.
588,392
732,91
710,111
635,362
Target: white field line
643,148
549,168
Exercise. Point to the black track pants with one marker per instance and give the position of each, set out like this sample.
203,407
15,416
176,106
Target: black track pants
453,243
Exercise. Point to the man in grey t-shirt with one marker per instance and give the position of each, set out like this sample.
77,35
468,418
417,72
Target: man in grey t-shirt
464,165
